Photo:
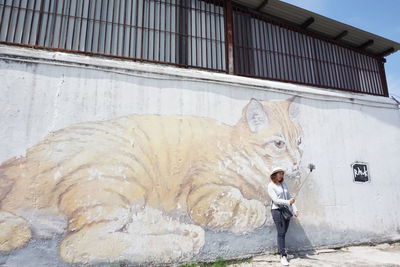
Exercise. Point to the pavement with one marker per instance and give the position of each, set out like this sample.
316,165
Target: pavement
368,255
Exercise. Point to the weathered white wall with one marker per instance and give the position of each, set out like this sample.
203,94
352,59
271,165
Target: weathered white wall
42,91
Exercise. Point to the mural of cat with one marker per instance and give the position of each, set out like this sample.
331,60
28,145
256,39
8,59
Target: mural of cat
143,188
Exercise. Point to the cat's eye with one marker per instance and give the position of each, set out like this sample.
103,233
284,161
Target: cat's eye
299,141
279,144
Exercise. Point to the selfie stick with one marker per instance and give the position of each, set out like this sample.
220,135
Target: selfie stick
311,167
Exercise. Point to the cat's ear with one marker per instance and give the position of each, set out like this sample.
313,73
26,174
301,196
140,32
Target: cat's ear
293,107
256,116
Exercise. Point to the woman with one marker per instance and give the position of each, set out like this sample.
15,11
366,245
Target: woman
280,195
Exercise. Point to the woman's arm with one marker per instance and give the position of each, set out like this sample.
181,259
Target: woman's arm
274,197
290,196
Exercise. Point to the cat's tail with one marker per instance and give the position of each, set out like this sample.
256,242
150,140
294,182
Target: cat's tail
14,230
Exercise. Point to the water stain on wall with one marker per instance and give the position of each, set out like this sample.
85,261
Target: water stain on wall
145,188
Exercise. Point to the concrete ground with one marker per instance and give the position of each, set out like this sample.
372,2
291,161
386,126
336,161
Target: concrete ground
379,255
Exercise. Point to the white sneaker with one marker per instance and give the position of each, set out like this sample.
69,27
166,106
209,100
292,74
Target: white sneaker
289,256
284,261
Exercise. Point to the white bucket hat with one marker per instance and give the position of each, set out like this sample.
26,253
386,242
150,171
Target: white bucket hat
277,169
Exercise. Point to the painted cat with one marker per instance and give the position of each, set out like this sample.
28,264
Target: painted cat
142,188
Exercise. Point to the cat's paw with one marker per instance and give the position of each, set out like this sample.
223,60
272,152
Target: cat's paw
250,215
196,235
14,232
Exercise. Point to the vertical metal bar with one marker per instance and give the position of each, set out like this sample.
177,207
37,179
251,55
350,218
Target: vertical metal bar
47,24
339,75
292,56
229,59
218,41
177,36
143,11
112,27
191,33
67,21
101,21
346,69
328,63
90,28
201,32
301,56
118,25
263,45
214,40
39,25
248,38
210,36
154,29
74,18
159,32
383,78
2,19
277,71
303,59
205,32
370,74
351,70
263,54
324,80
282,44
197,36
281,61
61,21
356,71
374,75
53,25
170,30
137,28
321,69
259,57
254,50
297,56
80,19
17,20
9,20
24,25
365,84
245,56
333,65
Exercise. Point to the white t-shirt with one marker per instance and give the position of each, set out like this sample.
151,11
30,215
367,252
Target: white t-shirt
279,194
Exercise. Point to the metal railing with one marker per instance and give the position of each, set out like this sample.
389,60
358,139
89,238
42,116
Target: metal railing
187,33
191,33
267,49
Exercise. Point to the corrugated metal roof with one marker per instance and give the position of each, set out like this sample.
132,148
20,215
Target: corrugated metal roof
323,25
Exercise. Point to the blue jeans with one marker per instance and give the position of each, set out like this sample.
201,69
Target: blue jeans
281,227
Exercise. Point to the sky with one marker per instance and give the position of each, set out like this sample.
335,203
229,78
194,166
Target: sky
378,17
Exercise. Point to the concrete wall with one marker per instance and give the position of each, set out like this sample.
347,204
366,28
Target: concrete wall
60,206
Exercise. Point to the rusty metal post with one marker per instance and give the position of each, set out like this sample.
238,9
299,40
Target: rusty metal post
229,37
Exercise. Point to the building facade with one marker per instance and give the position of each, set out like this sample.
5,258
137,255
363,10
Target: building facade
143,132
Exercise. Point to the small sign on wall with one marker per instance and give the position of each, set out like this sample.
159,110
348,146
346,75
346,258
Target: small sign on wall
360,172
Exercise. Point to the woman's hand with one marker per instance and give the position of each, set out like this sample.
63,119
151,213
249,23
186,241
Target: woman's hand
292,200
296,214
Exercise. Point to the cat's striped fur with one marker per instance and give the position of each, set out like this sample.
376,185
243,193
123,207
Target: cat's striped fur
123,178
